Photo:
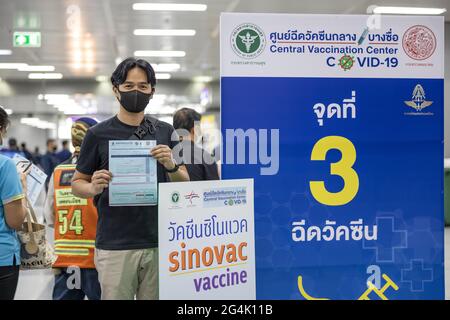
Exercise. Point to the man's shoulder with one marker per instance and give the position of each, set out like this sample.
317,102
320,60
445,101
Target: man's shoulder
105,124
162,125
104,127
165,129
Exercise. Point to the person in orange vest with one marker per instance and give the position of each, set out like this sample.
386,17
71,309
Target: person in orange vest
74,221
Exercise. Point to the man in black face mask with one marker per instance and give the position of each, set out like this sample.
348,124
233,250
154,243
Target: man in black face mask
126,255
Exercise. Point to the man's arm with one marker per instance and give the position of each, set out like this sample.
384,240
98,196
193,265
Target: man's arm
90,183
180,175
49,213
87,186
163,154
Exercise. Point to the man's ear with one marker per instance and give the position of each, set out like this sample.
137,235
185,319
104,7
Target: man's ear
116,92
153,92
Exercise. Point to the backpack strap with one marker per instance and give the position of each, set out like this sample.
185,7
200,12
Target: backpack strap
148,126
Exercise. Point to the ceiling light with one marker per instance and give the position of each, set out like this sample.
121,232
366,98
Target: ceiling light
159,53
169,6
36,68
203,79
89,55
55,95
88,44
54,99
163,76
101,78
166,67
29,120
77,55
164,32
37,123
45,76
5,52
408,10
8,65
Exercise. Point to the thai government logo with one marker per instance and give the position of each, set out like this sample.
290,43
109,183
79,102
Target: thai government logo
248,41
419,42
418,101
191,196
175,197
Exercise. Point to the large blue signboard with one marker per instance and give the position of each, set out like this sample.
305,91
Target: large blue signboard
339,121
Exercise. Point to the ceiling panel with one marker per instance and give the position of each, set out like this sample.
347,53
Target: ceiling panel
110,25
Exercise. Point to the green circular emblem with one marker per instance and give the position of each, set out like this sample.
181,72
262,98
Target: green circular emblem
346,62
230,202
248,41
175,197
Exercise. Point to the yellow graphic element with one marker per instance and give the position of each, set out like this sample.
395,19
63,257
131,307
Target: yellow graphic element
303,292
71,252
75,223
342,168
365,296
379,292
67,166
208,269
64,197
63,243
75,240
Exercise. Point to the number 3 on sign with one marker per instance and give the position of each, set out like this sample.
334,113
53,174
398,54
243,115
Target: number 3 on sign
343,168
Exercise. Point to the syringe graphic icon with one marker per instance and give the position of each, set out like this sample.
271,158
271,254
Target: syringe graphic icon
363,36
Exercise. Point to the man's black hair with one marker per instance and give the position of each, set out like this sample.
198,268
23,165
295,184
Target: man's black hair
12,142
185,118
119,75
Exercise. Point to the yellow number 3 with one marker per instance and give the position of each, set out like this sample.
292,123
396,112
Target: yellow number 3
343,168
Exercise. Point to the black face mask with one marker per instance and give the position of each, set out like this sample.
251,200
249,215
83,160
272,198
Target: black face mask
134,101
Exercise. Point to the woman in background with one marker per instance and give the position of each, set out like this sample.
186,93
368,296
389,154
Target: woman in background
12,214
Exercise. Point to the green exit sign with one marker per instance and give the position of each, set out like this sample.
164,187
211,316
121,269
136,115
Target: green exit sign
27,39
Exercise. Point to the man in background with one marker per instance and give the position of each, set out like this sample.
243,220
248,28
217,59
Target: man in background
49,161
27,153
75,223
199,163
65,153
12,149
37,156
